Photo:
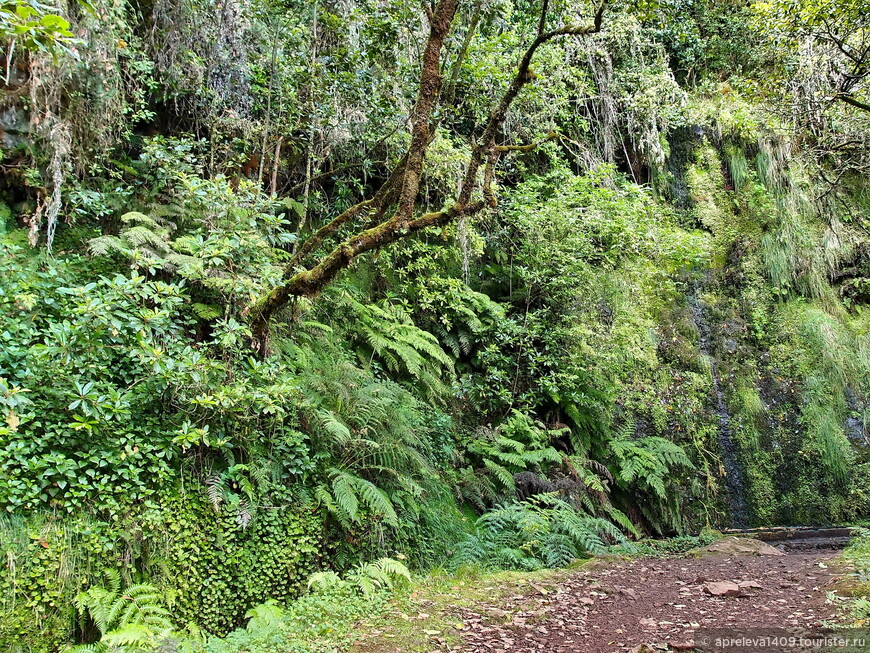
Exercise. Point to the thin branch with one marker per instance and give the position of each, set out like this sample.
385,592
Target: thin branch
488,177
9,61
851,100
323,175
528,147
313,241
450,92
521,78
312,115
542,21
268,122
276,162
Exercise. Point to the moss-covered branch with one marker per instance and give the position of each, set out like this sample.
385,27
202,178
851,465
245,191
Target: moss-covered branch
403,185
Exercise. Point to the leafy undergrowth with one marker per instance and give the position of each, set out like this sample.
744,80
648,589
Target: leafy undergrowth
316,623
320,622
852,591
672,546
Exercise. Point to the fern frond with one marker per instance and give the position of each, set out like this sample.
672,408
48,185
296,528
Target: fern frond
501,474
344,493
105,245
140,236
334,426
206,311
214,488
324,580
113,579
125,618
130,636
376,500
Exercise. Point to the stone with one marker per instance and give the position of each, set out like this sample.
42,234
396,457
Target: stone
750,585
722,588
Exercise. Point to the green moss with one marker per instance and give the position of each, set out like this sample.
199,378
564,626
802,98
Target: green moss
212,568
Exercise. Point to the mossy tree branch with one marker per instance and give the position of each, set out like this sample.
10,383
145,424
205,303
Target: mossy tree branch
403,185
852,101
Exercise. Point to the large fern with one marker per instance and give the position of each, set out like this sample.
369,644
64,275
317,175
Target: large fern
647,462
134,619
368,578
387,333
464,318
145,239
644,468
519,444
347,494
544,532
370,436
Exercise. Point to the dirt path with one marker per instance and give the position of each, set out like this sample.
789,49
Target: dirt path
619,606
658,602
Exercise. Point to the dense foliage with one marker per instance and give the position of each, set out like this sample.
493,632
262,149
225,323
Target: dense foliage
639,308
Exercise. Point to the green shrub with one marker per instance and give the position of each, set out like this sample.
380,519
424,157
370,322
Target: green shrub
530,535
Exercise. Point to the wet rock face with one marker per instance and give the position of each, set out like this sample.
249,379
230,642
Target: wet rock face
681,143
855,429
14,127
730,452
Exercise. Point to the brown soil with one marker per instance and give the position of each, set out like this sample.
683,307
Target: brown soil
623,605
